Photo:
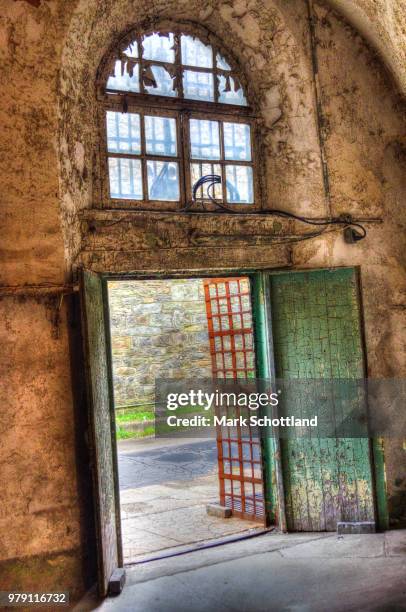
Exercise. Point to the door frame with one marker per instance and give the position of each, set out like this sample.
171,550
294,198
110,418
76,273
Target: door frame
254,276
262,318
271,447
376,445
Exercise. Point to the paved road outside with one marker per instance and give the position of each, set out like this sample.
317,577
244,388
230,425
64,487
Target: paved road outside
150,462
165,486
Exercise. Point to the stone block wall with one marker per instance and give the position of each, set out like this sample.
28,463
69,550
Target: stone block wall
158,330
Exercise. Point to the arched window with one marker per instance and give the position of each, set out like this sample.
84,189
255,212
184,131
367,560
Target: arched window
175,109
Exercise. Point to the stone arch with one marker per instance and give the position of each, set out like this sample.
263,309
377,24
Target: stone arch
269,47
263,46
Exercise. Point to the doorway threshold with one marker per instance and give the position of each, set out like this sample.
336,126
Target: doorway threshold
177,551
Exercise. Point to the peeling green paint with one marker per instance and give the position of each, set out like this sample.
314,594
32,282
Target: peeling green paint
316,334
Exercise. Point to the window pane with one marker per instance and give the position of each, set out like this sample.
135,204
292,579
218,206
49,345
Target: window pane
221,62
239,184
196,53
237,141
163,180
204,139
198,85
123,132
124,82
158,81
125,178
199,170
158,47
160,135
227,92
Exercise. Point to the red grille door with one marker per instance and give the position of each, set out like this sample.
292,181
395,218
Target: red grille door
229,319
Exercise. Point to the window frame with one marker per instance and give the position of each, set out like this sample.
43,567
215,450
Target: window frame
182,110
143,111
222,162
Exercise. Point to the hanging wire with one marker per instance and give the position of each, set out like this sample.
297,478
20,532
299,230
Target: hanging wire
345,222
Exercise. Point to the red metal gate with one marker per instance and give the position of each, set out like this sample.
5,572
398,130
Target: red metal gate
230,327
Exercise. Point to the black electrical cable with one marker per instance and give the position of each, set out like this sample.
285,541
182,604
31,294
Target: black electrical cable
208,178
214,179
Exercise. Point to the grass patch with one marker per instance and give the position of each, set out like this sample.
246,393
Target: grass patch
149,415
134,415
124,434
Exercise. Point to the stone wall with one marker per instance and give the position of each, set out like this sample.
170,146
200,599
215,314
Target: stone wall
158,330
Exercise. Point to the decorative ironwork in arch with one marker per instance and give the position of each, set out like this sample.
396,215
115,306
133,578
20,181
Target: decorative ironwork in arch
175,65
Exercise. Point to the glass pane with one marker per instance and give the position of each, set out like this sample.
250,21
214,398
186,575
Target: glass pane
196,53
132,50
198,85
204,139
237,141
160,135
158,81
239,184
158,47
125,178
126,77
199,170
123,132
227,92
221,62
163,180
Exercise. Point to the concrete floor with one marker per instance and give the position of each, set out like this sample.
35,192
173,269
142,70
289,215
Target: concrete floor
273,572
165,486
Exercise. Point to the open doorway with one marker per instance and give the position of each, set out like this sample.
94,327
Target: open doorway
180,329
307,323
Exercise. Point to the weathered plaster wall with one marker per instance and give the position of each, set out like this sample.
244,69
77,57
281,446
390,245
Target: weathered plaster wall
364,127
49,56
382,24
31,240
41,521
158,330
41,537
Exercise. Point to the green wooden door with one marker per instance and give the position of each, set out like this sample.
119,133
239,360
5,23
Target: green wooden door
316,334
102,423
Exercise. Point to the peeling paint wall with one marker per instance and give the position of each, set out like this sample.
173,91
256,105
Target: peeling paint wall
50,52
41,535
366,156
